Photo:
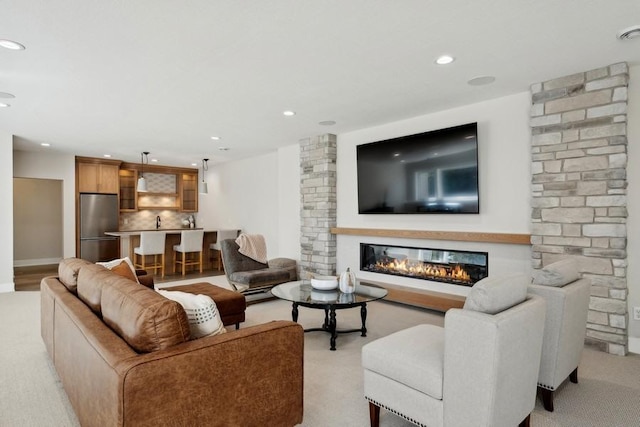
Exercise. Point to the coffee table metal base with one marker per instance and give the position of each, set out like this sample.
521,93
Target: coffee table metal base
329,324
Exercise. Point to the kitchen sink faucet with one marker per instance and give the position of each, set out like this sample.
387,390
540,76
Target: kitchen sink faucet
158,222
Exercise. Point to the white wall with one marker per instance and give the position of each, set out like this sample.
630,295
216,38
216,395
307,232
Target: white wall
633,224
259,195
289,202
46,165
504,175
6,214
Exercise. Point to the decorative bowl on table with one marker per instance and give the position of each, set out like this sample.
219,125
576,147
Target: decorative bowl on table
324,283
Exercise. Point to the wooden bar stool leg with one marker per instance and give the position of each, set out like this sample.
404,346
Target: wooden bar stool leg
162,266
184,260
200,261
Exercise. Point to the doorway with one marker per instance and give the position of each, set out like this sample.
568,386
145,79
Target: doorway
37,222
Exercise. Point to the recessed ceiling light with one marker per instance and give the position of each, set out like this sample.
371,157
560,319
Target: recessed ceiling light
224,148
3,105
289,113
106,155
194,164
10,44
6,95
215,138
445,59
154,160
45,144
327,123
481,80
629,33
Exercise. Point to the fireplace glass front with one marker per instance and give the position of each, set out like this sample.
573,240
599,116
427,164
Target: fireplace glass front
441,265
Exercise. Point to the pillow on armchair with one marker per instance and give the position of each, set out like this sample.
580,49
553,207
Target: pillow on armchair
558,274
494,294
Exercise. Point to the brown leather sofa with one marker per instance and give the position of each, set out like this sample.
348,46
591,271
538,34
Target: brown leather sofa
123,354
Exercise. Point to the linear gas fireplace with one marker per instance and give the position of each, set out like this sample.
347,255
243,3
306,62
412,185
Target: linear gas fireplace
441,265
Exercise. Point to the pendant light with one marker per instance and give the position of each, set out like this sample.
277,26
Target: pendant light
203,188
142,182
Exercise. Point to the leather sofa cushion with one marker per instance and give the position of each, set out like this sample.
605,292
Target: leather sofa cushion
68,272
143,318
91,279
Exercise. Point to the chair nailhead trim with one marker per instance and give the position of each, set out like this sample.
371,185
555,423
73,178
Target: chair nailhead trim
396,412
547,387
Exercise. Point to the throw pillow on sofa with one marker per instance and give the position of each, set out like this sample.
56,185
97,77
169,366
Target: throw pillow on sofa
202,313
123,267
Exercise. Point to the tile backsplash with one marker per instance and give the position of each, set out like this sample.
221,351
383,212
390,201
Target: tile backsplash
146,219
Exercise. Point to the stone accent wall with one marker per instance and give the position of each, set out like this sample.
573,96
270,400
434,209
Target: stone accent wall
579,188
318,205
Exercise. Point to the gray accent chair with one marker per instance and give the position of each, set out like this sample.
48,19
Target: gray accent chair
248,276
567,298
480,369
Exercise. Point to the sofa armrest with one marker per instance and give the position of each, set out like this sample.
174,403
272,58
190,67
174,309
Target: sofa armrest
252,376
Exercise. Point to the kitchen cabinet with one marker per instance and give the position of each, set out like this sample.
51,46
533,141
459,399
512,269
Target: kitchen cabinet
189,192
169,188
128,192
97,176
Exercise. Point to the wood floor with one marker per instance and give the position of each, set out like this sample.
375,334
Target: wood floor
29,278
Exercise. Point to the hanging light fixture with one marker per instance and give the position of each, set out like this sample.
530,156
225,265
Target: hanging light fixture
202,188
142,182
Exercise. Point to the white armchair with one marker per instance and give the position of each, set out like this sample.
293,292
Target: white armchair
480,369
567,298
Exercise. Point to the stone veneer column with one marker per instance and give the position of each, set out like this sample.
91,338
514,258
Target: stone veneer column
579,204
318,205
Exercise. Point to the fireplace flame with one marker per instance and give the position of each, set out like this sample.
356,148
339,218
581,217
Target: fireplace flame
421,269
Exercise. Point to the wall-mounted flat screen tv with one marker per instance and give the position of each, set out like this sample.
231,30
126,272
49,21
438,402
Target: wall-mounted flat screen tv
425,173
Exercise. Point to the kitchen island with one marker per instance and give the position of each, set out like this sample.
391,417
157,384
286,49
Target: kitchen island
129,239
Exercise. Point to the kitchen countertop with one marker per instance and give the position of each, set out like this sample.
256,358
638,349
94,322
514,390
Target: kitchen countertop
127,233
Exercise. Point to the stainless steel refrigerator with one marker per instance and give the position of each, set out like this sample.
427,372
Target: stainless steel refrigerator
98,214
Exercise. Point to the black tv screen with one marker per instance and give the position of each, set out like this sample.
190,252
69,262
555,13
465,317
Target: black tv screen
430,172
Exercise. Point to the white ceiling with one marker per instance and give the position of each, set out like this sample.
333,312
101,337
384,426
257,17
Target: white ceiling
121,77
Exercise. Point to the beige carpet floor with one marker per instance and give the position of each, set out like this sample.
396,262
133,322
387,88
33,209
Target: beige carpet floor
30,394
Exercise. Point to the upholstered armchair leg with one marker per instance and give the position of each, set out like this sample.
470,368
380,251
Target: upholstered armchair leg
374,414
573,376
547,399
526,422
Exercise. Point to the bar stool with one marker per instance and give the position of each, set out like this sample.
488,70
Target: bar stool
190,242
151,243
216,247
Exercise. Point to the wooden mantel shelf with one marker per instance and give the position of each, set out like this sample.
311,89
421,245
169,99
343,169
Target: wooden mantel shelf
465,236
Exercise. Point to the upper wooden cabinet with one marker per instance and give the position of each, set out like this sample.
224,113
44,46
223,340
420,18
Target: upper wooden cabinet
189,192
169,188
128,193
97,176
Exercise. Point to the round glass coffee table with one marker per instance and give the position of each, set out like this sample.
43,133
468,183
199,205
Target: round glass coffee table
302,294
